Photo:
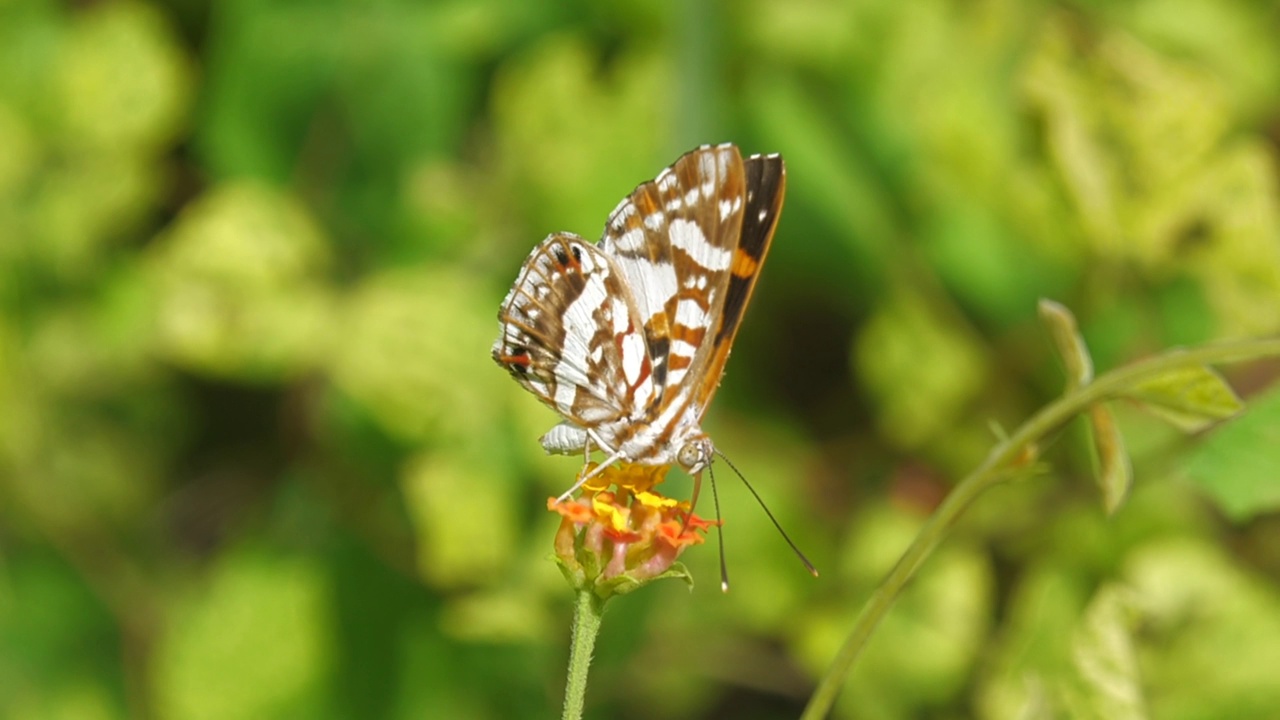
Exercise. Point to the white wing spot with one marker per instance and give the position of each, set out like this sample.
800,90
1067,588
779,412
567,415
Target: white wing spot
652,283
579,333
631,240
763,214
566,393
621,318
683,349
586,259
707,164
644,392
690,314
655,221
632,357
687,235
729,207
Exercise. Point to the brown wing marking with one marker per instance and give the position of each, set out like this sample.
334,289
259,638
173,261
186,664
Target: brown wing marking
766,180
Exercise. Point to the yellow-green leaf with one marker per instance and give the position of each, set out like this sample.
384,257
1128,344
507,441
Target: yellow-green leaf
1106,663
254,640
1238,465
1066,338
1115,471
1191,398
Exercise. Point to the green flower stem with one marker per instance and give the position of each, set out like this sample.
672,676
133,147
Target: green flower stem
995,469
586,626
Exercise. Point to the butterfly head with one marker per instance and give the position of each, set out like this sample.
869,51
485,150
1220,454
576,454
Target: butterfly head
695,455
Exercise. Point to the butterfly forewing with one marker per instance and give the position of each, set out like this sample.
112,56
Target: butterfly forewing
673,239
766,181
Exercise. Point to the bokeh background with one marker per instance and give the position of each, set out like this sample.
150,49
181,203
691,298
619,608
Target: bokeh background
255,461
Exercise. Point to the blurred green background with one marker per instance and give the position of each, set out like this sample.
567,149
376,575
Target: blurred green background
255,461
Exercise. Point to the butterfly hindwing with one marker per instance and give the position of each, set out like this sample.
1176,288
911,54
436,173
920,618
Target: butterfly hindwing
571,336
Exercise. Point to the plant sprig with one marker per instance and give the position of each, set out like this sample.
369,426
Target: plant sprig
1177,385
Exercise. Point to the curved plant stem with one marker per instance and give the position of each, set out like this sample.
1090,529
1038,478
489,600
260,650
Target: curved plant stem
586,625
996,468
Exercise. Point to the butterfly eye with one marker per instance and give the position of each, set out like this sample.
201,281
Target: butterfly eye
693,455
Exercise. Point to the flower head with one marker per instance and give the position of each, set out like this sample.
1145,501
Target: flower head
621,533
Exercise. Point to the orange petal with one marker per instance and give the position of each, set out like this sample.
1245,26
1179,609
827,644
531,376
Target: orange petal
571,510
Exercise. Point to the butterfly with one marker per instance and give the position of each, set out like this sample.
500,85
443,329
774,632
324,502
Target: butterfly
627,339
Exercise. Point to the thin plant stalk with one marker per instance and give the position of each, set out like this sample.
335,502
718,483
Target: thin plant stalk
996,468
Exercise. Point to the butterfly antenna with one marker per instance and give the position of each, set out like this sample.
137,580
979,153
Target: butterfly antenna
808,565
715,499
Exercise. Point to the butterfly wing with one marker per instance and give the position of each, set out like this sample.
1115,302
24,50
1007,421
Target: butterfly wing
629,339
690,244
570,334
766,183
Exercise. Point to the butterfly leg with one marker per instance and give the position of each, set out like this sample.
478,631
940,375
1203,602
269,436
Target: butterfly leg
584,477
586,453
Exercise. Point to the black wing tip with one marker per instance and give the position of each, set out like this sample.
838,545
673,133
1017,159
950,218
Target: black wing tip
765,168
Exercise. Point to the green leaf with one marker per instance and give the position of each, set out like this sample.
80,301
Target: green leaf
623,584
1210,639
1066,339
947,610
505,615
551,107
1031,654
1238,465
124,81
252,642
1114,469
1191,398
917,401
240,285
444,492
1106,664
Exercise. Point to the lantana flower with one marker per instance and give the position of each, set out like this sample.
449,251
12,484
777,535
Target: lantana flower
621,533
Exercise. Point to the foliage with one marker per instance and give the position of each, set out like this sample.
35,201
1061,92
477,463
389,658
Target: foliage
255,462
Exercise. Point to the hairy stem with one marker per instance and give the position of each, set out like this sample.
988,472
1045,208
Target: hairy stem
587,612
